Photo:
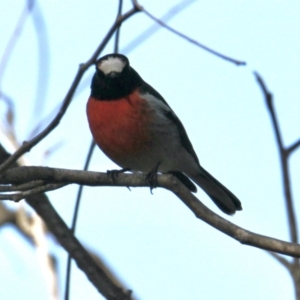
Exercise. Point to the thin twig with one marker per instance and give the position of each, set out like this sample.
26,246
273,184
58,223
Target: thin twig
82,69
117,37
171,13
293,147
74,221
283,154
269,103
281,259
14,37
21,187
43,64
187,38
38,233
40,189
8,51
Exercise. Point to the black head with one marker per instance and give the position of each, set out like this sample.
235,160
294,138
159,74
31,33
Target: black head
114,78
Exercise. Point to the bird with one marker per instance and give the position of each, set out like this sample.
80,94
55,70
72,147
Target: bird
137,129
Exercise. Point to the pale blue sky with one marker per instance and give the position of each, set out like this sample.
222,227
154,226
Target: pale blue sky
157,246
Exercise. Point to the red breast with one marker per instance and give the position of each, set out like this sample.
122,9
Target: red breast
120,127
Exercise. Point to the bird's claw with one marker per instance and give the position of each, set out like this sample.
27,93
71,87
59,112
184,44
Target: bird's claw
152,178
113,174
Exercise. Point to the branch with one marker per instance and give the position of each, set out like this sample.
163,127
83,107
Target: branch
101,277
283,154
270,106
117,37
171,13
64,235
187,38
17,196
74,219
16,218
64,176
27,146
36,230
282,260
293,147
21,187
14,37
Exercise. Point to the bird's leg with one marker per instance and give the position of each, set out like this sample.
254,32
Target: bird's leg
113,174
152,177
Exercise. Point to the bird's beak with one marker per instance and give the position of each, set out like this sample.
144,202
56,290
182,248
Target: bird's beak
113,75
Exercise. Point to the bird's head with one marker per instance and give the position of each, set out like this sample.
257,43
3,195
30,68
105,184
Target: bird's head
114,78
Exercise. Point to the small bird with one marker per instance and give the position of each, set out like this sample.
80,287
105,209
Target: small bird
137,129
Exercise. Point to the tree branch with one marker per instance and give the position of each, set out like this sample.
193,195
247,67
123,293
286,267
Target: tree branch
185,37
15,218
283,155
63,234
282,260
64,176
101,277
171,13
293,147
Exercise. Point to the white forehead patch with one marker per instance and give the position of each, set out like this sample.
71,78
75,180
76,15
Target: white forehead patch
111,64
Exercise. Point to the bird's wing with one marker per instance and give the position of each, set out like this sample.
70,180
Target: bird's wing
168,113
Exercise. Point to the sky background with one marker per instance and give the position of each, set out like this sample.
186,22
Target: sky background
154,243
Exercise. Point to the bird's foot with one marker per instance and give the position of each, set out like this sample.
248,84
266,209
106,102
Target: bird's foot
113,174
152,178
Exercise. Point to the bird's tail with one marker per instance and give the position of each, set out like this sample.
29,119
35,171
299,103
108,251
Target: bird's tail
219,194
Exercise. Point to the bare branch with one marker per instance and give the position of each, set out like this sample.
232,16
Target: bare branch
14,37
17,196
63,234
116,48
293,147
283,154
281,259
270,106
43,64
187,38
63,176
17,218
35,229
102,278
171,13
21,187
38,231
75,216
